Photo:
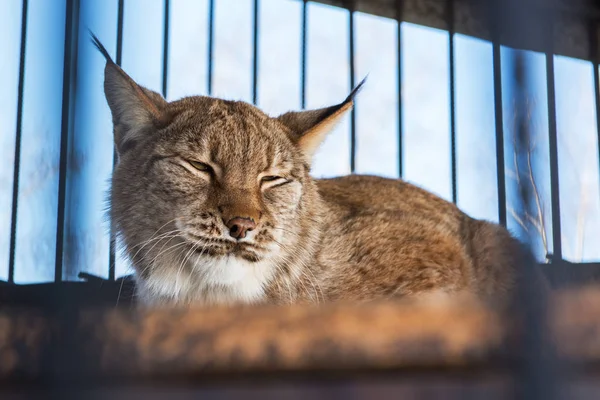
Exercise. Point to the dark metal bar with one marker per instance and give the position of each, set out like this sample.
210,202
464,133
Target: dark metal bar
303,56
595,56
399,16
68,106
120,11
450,21
70,32
499,117
537,365
255,52
17,164
352,72
118,59
554,184
536,368
211,32
165,60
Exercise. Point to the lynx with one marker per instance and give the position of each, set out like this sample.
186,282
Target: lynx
214,203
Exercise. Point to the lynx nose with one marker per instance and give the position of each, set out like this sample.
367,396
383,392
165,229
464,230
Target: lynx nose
238,227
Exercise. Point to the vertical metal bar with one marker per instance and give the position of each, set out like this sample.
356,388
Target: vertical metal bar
399,16
165,60
255,53
595,56
499,117
120,11
70,32
211,32
352,71
69,102
118,59
554,184
303,56
450,22
537,365
17,164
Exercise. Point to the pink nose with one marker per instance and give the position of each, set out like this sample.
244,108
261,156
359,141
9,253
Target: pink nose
238,227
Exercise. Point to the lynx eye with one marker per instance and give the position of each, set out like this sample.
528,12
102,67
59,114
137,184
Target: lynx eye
200,166
271,181
270,178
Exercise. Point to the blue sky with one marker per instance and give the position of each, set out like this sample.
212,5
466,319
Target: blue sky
426,108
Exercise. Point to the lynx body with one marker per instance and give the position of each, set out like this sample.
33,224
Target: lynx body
214,203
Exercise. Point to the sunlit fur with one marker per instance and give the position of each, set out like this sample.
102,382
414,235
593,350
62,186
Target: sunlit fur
172,217
353,238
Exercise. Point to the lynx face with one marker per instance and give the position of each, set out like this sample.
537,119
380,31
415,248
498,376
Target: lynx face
234,181
211,198
220,188
232,178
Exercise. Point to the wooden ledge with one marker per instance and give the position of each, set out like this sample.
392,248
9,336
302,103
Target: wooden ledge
123,343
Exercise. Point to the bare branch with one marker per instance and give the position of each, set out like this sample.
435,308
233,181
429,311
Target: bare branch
518,219
537,202
537,221
534,222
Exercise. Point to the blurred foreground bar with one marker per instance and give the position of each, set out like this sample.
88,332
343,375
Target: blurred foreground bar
401,346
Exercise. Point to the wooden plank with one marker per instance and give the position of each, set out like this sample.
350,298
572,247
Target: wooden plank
167,344
294,338
170,343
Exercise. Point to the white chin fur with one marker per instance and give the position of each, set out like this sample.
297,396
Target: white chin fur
206,281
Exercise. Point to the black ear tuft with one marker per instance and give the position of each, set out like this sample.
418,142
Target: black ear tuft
355,91
101,47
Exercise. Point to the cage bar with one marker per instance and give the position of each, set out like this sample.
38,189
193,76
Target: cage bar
535,370
450,22
352,71
595,57
71,29
120,11
118,59
399,16
255,18
303,57
554,184
15,197
499,117
165,60
211,33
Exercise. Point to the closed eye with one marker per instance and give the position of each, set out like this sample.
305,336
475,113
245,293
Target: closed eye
200,166
271,181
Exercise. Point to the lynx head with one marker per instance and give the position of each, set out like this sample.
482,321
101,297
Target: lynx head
211,198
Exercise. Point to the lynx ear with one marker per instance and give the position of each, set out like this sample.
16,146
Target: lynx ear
136,111
309,128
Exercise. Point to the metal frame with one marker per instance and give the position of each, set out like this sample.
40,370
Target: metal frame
400,7
499,115
450,20
352,63
15,197
118,59
399,18
69,62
